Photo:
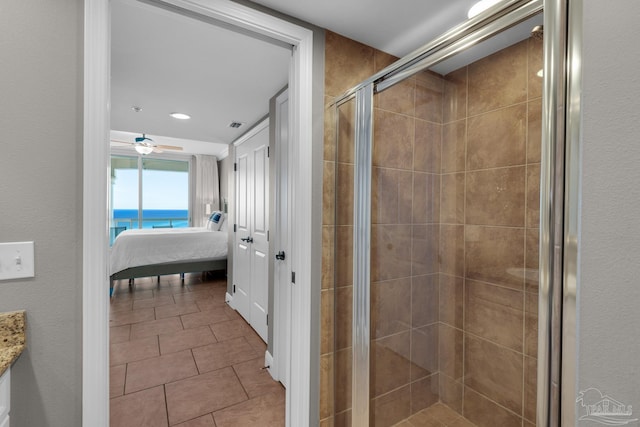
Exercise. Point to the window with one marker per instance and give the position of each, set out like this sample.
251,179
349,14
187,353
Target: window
148,193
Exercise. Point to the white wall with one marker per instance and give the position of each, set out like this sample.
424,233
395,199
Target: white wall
224,171
40,200
227,191
609,268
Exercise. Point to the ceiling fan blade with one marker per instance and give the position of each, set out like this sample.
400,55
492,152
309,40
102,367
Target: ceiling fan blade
169,147
156,148
117,141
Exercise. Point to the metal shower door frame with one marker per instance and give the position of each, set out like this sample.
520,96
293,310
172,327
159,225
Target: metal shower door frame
362,257
559,191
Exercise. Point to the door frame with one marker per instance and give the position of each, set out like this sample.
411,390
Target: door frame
95,283
281,357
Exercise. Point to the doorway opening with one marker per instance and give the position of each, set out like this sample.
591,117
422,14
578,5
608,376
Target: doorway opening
300,401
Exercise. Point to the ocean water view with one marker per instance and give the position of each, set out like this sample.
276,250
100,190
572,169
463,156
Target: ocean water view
151,218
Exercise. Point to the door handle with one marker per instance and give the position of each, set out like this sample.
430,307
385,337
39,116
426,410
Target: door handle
247,239
280,255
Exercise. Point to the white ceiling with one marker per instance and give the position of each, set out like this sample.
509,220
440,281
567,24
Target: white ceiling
164,62
396,27
400,27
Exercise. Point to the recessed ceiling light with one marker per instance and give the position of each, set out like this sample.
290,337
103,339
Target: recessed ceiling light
136,108
180,116
481,6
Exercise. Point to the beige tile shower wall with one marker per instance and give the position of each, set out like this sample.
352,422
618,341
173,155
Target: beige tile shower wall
489,212
406,215
470,253
346,64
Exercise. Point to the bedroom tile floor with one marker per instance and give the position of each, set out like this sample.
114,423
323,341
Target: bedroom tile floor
180,356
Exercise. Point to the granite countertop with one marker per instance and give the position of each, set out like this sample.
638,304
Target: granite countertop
12,337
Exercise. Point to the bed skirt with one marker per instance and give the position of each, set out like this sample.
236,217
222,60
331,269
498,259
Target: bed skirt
169,268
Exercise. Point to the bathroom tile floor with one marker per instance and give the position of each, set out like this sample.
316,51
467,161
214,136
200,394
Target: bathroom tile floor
180,356
437,415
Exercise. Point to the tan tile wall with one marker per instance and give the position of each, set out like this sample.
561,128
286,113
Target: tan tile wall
456,167
346,64
405,248
489,237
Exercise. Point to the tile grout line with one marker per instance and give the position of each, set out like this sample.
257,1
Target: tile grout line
240,381
166,402
440,218
209,326
524,251
414,176
464,245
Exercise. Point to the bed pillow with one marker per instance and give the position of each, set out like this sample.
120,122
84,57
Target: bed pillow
223,227
215,221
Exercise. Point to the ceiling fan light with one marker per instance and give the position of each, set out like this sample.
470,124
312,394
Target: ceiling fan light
180,116
143,149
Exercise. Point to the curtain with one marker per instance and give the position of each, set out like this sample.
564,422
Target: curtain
207,188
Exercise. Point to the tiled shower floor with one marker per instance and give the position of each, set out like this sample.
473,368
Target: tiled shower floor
180,356
438,415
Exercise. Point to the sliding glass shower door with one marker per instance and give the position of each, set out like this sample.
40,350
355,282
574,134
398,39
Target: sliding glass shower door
437,213
343,274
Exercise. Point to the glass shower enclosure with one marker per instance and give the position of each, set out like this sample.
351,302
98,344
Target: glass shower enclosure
437,225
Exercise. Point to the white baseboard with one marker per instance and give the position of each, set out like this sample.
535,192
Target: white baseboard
268,362
228,298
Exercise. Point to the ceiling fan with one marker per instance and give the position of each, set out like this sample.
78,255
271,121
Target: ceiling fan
145,145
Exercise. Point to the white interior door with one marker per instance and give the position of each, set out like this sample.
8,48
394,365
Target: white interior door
282,267
251,239
259,213
242,250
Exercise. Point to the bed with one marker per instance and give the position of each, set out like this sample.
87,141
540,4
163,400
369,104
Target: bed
159,251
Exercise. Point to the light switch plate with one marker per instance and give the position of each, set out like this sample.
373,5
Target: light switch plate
16,260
